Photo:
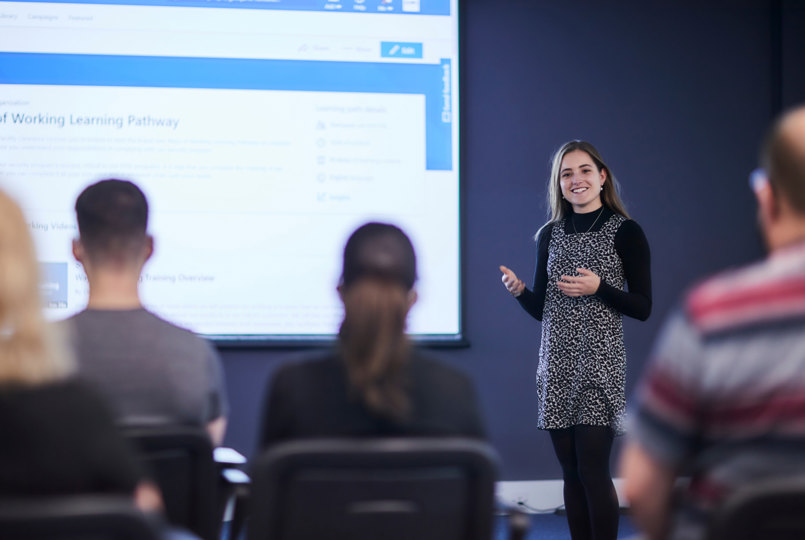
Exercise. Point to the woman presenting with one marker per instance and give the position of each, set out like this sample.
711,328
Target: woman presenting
586,253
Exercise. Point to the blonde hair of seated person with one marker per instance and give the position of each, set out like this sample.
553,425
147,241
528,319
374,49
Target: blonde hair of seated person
31,352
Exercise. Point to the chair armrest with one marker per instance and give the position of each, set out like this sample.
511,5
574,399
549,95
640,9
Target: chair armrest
235,478
237,485
224,455
235,488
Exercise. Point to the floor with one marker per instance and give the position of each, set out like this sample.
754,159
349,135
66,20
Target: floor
554,527
541,527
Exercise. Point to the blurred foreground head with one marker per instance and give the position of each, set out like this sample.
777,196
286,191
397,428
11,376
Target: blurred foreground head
781,191
112,219
377,290
379,251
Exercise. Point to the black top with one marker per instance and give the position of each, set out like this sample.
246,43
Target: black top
312,399
630,244
60,439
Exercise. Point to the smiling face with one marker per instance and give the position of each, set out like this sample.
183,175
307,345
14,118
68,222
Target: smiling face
581,181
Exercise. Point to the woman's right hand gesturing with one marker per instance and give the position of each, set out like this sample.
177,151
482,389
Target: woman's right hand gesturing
512,283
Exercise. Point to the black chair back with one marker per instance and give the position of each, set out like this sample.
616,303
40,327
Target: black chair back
767,509
180,459
394,489
73,517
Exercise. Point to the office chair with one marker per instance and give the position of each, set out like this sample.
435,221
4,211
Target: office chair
768,509
73,517
394,489
180,460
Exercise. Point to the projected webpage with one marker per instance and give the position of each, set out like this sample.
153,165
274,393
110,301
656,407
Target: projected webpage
262,133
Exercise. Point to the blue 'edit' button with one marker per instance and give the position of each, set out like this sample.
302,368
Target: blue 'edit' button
398,49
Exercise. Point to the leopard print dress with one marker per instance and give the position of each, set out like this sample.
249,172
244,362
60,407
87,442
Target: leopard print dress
582,360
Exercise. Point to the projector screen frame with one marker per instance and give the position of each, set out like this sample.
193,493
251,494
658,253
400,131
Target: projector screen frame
451,326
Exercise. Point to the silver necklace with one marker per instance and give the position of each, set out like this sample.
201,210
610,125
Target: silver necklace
573,221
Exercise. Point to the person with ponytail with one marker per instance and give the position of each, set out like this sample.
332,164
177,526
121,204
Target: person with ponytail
59,438
374,383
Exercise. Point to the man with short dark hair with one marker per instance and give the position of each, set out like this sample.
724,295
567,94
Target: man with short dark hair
149,369
724,397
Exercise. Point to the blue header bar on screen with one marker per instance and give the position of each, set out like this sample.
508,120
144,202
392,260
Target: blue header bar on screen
246,74
399,7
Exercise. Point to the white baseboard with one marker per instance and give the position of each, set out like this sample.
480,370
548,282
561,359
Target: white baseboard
539,496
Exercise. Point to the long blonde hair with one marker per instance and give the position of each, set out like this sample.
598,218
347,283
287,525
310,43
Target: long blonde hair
30,351
610,195
376,287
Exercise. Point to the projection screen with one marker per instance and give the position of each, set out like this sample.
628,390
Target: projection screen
262,132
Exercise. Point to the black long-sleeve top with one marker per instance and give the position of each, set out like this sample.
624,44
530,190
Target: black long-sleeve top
313,399
632,247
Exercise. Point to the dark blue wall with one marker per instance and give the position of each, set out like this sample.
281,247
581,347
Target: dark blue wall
792,52
676,94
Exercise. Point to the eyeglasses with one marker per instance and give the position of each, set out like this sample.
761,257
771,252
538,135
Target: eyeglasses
757,179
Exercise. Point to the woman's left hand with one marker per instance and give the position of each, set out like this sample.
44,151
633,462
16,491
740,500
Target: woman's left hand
585,284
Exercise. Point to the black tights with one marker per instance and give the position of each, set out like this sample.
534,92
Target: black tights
590,498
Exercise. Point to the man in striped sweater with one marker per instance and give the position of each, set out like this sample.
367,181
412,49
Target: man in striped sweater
723,400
